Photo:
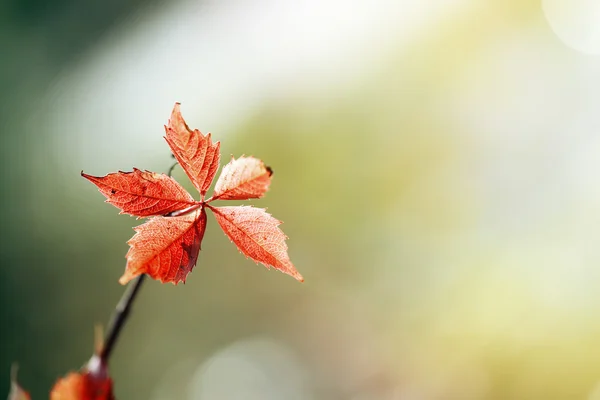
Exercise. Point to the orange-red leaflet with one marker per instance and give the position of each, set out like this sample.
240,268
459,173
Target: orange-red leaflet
92,382
167,246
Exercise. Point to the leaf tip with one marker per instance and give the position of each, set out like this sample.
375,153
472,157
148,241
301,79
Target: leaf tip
14,369
127,276
16,391
98,338
293,272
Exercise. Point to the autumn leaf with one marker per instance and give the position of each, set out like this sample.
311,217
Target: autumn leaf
257,236
166,247
82,386
92,382
16,391
196,153
243,179
142,193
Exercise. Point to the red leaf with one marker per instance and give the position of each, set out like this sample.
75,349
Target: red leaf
142,193
243,179
196,153
16,391
257,236
83,385
166,248
92,382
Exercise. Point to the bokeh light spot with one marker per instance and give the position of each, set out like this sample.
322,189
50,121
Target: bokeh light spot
575,22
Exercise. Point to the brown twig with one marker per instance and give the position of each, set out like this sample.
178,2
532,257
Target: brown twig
120,316
122,310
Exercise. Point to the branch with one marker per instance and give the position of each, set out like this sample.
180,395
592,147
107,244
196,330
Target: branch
122,310
120,316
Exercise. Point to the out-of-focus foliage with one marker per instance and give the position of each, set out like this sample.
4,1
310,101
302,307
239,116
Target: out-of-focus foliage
441,201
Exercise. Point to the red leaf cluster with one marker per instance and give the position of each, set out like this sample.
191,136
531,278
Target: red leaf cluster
82,386
92,382
167,246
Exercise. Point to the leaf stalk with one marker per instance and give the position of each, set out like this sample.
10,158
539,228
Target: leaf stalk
123,308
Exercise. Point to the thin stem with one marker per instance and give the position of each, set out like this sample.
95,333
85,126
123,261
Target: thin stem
120,316
172,168
122,310
187,210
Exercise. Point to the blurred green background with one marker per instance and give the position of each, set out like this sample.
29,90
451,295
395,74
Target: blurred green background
435,166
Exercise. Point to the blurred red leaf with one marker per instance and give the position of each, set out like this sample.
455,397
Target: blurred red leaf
242,179
166,247
90,383
82,386
196,153
142,193
257,236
